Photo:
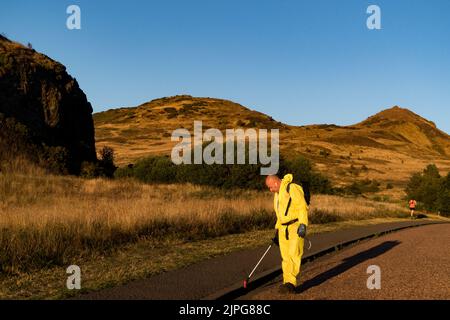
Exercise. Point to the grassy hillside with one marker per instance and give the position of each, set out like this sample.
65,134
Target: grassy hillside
146,129
388,146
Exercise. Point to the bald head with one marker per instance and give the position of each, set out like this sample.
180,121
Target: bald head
273,183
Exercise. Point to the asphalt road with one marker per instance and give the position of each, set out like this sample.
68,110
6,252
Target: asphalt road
214,277
414,264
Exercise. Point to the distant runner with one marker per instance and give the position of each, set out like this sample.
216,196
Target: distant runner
412,207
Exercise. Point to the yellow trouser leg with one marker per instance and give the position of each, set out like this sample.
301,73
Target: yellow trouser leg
291,254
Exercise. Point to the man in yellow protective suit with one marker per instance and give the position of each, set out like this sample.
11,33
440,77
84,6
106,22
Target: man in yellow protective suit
292,220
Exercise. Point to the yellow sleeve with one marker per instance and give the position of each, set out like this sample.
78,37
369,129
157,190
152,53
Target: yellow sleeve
299,203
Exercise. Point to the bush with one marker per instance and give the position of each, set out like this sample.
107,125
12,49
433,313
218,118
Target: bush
154,169
124,172
14,140
104,167
353,189
106,162
324,153
17,142
89,170
303,171
430,189
360,187
54,159
246,176
443,203
323,217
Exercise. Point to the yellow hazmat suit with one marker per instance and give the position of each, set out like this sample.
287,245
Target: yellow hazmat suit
291,210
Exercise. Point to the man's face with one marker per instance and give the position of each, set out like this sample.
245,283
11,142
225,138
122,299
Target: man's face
273,185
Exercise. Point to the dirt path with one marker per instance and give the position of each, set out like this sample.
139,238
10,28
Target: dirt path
414,264
213,277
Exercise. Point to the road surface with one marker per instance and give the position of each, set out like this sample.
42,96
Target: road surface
215,277
414,264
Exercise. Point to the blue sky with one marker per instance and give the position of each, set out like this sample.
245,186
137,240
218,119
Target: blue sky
301,62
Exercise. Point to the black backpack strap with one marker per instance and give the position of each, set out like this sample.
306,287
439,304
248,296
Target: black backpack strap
306,194
288,187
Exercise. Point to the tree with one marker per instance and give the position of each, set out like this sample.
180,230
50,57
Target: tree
413,187
432,172
430,189
107,161
443,199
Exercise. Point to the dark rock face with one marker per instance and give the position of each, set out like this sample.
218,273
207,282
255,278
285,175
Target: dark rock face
38,92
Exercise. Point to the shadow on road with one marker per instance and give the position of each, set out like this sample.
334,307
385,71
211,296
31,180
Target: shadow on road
349,263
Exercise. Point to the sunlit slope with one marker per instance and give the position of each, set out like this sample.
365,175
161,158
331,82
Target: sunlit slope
388,146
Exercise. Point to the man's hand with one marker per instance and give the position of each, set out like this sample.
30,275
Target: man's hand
275,238
302,231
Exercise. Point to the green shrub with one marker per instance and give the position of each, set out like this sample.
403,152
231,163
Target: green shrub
443,202
322,217
106,162
17,142
124,172
104,167
154,169
360,187
245,176
430,189
54,159
303,171
324,153
89,170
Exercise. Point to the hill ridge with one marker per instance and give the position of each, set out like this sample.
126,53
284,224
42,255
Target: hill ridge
393,140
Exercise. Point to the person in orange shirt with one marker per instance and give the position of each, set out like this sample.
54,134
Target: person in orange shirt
412,207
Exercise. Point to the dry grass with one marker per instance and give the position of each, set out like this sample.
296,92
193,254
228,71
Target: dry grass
325,209
123,203
48,220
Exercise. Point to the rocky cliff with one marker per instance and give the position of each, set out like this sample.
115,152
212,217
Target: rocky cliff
38,92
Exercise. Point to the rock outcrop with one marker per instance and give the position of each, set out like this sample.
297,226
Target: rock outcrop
38,92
